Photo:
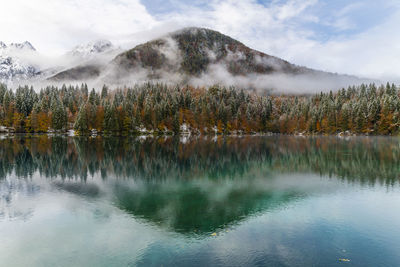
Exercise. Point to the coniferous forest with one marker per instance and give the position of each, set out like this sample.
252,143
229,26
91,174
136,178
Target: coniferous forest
163,109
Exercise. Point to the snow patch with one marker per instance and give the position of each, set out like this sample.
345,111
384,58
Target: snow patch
89,50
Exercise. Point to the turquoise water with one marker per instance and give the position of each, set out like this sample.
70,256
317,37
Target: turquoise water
251,201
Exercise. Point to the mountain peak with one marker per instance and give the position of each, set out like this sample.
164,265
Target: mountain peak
193,30
91,48
22,46
203,35
13,64
196,49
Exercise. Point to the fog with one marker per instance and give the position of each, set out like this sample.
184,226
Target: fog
278,81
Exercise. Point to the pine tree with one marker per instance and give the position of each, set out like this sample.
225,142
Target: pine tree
59,115
176,127
110,119
92,98
81,123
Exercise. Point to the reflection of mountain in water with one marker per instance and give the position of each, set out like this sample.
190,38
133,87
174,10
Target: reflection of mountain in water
200,207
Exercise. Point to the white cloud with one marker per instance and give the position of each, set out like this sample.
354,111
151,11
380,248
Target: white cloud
57,25
373,53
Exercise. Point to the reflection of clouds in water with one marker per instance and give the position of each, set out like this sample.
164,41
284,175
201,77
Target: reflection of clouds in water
271,201
11,191
66,227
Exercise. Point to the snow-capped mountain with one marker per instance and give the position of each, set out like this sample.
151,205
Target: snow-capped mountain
13,63
22,46
92,49
20,62
11,69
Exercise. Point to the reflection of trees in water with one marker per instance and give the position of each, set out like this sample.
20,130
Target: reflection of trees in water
125,157
366,160
168,190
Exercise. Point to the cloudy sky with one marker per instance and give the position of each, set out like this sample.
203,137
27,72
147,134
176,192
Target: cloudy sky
353,37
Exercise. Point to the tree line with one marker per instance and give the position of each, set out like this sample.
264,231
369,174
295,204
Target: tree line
163,109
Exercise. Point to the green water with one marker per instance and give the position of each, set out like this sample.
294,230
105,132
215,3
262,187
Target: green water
251,201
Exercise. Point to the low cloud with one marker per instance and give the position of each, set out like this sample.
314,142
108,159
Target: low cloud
275,82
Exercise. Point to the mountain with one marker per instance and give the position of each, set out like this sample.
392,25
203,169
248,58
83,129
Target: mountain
22,46
14,65
91,49
200,57
92,55
21,63
196,49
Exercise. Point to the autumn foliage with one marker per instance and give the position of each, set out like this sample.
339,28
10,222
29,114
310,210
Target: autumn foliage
163,109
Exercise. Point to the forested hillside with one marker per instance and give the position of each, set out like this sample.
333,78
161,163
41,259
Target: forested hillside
197,48
163,109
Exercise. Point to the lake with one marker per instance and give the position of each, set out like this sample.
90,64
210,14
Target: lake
223,201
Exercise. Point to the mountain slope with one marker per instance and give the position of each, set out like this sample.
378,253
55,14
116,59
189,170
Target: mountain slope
78,73
197,49
200,56
14,65
85,61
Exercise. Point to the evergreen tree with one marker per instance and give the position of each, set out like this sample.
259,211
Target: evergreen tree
110,119
81,122
59,115
104,92
176,127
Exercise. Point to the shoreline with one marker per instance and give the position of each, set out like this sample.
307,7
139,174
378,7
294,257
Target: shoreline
187,135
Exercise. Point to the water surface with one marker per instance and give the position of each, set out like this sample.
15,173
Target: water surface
254,201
